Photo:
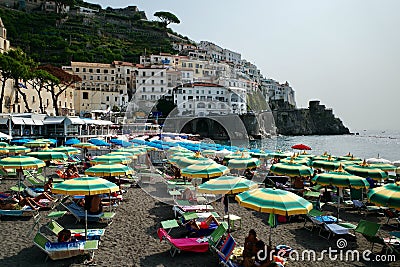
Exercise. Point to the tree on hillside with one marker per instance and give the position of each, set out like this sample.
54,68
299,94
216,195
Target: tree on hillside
39,79
60,85
167,18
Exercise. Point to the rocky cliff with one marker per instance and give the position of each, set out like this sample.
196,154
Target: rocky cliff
315,120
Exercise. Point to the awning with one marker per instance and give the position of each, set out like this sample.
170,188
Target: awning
38,122
18,121
29,121
3,120
76,120
54,120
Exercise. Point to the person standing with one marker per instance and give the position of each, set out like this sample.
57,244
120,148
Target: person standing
225,201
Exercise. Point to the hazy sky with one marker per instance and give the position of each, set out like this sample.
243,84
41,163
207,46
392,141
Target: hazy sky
343,52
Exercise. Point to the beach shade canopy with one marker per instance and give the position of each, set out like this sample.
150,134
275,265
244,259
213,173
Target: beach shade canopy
378,160
383,166
291,169
341,178
301,147
36,143
297,160
110,158
98,142
185,161
226,185
85,145
324,156
120,142
133,150
85,186
205,169
327,164
349,157
178,149
365,170
279,154
387,195
177,156
3,144
260,154
47,155
18,149
208,153
20,141
4,150
67,150
275,201
243,163
21,163
109,170
72,141
123,153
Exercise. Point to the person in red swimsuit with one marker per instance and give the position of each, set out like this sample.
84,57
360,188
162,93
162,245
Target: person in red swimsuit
204,224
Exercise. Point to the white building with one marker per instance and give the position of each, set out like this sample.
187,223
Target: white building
274,91
206,99
4,43
151,85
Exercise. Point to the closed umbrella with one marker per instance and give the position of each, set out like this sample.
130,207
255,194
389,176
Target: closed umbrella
206,169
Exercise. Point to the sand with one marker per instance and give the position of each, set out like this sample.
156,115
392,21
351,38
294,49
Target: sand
131,239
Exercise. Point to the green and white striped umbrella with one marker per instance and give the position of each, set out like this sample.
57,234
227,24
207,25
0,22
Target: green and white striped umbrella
279,154
226,185
85,186
291,169
208,153
36,143
236,155
86,145
18,149
260,154
341,178
109,170
275,201
326,164
48,155
4,150
178,149
110,158
176,156
387,195
123,153
297,160
365,170
349,157
383,166
243,163
3,144
183,162
206,169
324,156
21,163
133,150
67,150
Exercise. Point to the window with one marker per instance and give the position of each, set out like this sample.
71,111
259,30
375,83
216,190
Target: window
144,89
91,70
152,73
152,89
152,81
128,71
144,97
162,74
107,98
112,79
144,74
152,97
84,70
184,106
143,81
91,78
33,99
115,99
184,97
162,89
162,81
98,78
85,95
76,69
97,70
105,71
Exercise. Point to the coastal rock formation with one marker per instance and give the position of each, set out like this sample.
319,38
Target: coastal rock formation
315,120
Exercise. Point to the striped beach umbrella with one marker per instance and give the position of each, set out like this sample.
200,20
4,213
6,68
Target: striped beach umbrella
133,150
297,160
349,157
279,154
208,153
123,153
383,166
387,195
110,158
183,162
260,154
36,143
21,163
236,155
178,149
206,169
85,186
341,178
109,170
226,185
85,145
176,156
243,163
324,156
4,150
47,155
365,170
18,149
291,169
67,150
3,144
327,164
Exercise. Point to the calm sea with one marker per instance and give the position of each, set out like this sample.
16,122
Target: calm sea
368,144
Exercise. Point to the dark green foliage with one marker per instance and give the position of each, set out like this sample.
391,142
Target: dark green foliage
58,39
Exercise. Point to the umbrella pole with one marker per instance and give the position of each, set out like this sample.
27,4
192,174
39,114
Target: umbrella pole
270,233
86,224
338,203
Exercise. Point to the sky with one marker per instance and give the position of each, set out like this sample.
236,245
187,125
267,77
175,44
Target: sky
344,53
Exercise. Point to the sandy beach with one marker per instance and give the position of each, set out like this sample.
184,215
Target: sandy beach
131,239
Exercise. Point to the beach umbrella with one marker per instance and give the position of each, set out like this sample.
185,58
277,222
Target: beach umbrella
3,144
297,160
225,185
177,156
50,141
120,142
183,162
85,145
237,154
327,164
378,160
36,143
365,170
206,169
4,150
123,153
72,141
274,201
110,158
349,157
243,163
110,169
178,149
208,153
224,152
301,147
20,141
340,178
133,150
387,195
396,163
260,154
324,156
47,155
291,169
383,166
18,149
67,150
85,186
98,142
279,154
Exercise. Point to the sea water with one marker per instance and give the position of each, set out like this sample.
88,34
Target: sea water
367,144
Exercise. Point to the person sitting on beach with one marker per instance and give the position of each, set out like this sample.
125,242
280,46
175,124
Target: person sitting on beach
64,236
93,204
262,258
188,194
49,185
249,250
19,202
204,224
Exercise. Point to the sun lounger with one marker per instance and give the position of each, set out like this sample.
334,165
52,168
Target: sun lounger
63,250
367,208
181,209
225,251
92,234
26,211
370,230
79,214
310,218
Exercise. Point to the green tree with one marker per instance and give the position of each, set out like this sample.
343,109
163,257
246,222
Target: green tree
60,85
39,80
167,18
